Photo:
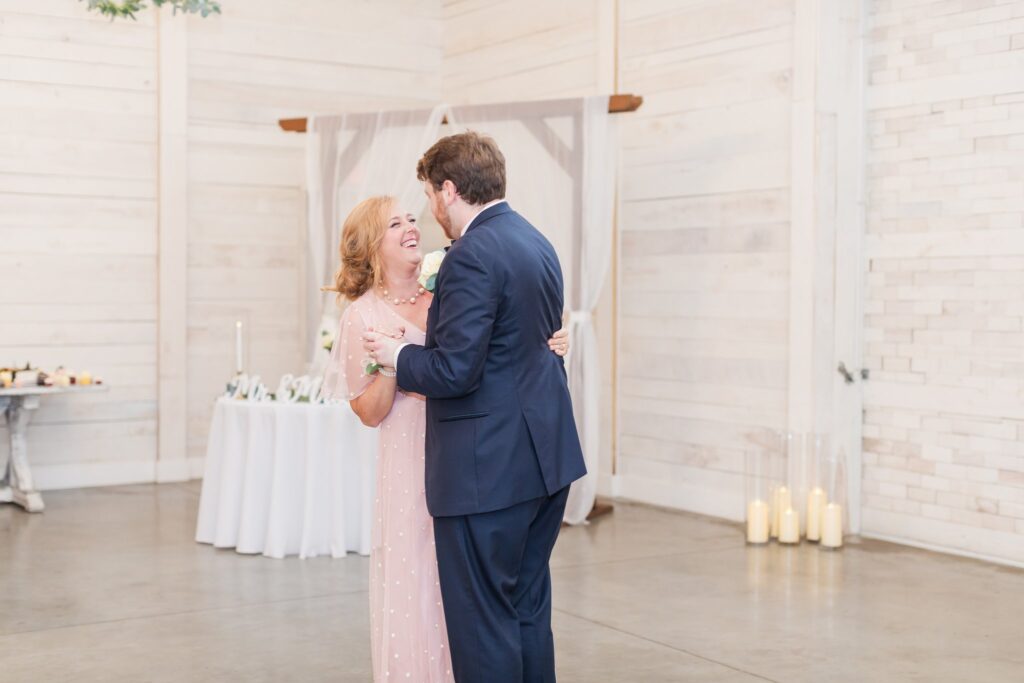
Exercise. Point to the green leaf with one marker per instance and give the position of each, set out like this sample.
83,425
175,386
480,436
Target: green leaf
431,281
128,8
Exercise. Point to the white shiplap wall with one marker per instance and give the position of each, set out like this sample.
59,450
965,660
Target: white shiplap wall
507,52
704,216
79,198
259,62
78,160
498,51
705,228
706,219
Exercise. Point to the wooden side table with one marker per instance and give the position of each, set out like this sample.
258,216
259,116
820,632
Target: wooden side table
16,485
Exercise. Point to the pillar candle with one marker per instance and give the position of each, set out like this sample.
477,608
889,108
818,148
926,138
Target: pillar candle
238,347
757,522
815,506
773,516
783,503
832,526
789,526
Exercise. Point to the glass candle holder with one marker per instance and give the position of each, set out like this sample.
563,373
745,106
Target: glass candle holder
817,450
780,497
834,515
786,513
800,450
758,492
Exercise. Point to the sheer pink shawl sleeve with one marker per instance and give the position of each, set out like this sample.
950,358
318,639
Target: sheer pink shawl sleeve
345,377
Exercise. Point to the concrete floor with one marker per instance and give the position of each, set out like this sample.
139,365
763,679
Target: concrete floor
107,585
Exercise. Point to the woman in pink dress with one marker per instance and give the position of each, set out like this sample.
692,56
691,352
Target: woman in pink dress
380,267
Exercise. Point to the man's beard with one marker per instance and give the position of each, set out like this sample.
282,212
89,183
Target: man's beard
444,219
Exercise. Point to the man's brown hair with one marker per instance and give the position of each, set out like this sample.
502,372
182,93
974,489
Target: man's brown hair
471,161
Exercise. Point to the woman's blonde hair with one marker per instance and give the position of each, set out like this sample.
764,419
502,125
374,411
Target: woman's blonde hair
361,237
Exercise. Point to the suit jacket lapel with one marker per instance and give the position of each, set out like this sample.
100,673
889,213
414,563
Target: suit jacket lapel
431,321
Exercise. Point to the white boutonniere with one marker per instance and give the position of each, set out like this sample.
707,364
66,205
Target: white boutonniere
429,269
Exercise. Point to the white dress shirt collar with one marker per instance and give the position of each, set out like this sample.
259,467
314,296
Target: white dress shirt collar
486,206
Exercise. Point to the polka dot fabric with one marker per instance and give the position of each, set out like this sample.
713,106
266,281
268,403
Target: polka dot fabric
407,628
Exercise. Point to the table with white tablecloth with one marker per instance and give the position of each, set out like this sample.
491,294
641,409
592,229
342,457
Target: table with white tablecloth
287,479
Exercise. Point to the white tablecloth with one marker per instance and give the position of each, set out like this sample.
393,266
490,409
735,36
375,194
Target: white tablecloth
287,479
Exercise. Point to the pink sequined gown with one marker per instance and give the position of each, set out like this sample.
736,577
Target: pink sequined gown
407,628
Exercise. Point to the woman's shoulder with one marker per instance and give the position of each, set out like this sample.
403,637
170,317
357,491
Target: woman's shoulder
363,307
366,300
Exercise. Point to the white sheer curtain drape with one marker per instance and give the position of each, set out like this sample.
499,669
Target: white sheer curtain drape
321,217
350,157
561,161
600,164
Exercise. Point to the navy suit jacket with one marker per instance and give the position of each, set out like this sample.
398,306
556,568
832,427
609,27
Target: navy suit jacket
500,426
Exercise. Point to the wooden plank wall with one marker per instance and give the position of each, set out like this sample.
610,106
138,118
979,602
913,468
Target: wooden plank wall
499,52
78,206
260,62
79,199
704,216
705,249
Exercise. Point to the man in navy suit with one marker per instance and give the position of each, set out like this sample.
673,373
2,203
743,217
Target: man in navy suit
501,444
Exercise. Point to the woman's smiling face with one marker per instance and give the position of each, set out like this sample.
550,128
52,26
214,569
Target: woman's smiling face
401,243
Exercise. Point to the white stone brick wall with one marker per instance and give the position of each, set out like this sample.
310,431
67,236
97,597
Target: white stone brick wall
944,409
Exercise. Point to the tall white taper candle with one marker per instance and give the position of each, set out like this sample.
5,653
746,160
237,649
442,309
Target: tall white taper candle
238,346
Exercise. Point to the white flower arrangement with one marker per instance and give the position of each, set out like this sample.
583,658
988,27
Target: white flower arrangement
328,328
327,340
290,389
429,269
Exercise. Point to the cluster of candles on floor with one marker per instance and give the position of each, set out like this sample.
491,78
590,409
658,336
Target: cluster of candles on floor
796,489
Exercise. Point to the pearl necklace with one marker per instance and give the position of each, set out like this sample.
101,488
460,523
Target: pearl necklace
398,302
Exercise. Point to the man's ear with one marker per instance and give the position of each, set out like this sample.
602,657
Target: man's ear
449,191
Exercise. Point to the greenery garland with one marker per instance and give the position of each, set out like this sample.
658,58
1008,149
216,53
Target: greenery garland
128,8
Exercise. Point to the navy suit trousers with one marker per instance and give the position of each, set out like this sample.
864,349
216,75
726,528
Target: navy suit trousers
496,588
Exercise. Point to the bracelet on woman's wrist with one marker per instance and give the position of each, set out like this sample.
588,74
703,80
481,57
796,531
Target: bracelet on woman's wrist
388,372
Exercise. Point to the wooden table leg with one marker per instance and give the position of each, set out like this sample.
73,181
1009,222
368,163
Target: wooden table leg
20,485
